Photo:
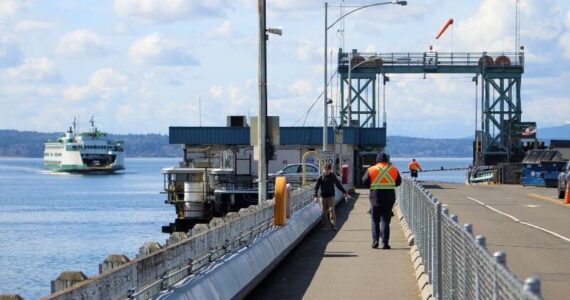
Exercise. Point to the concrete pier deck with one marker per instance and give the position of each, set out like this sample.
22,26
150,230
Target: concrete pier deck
342,265
528,223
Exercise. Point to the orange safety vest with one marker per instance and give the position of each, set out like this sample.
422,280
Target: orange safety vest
382,176
414,166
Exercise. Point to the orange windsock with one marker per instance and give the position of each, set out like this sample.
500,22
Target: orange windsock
444,27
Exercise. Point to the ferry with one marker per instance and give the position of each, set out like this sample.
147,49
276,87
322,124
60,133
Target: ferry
86,152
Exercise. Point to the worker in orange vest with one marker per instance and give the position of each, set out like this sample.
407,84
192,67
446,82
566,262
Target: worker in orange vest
382,179
414,167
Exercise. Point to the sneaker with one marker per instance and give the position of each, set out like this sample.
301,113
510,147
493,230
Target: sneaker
374,244
386,246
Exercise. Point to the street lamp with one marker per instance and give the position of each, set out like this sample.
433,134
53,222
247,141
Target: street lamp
262,104
327,27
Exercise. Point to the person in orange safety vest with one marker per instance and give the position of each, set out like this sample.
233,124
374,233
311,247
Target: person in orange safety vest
382,179
414,167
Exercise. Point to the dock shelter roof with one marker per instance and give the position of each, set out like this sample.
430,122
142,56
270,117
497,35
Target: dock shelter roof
310,136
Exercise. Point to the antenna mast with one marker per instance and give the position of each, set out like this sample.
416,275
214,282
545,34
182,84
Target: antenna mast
517,27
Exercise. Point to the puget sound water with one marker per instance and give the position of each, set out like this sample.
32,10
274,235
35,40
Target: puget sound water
51,223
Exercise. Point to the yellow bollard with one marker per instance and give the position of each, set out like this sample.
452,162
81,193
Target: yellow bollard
280,208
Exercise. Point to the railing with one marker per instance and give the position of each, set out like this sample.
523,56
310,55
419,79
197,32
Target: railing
459,59
458,265
158,269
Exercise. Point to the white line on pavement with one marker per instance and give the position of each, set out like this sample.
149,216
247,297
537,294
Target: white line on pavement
519,221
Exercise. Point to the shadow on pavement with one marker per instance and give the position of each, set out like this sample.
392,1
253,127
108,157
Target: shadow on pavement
291,278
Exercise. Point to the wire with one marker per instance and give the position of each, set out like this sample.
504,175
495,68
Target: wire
306,114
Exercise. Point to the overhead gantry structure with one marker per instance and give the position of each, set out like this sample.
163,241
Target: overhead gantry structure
500,92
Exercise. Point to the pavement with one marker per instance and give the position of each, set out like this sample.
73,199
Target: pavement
342,265
528,223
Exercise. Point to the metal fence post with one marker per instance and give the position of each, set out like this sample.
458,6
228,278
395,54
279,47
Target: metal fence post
482,242
438,252
469,229
532,284
501,259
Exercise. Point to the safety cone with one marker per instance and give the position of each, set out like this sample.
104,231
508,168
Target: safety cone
567,196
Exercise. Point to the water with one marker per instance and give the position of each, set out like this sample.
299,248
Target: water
436,163
51,222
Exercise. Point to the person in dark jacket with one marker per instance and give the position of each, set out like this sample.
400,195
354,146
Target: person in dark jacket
382,179
326,183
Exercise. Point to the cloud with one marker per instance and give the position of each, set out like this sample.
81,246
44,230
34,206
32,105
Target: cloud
155,49
34,70
302,87
223,31
102,84
33,25
564,41
307,51
216,91
170,11
289,5
10,54
492,26
9,8
82,42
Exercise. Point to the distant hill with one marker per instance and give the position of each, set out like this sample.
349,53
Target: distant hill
400,146
30,144
554,133
15,143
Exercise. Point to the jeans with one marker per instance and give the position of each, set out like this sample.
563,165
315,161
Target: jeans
381,217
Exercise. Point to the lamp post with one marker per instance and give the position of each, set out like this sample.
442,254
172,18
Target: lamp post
262,107
325,83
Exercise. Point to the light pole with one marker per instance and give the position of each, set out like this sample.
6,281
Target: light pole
325,83
262,107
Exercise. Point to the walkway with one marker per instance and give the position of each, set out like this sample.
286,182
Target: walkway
342,264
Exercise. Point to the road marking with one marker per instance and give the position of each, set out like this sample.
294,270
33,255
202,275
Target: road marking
540,197
519,221
532,205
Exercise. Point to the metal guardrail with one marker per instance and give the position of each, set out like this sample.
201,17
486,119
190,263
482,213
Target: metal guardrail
147,275
463,59
458,265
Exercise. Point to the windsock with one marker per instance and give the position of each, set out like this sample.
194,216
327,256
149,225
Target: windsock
444,27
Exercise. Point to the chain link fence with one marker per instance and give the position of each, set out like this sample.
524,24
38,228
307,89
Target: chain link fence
457,264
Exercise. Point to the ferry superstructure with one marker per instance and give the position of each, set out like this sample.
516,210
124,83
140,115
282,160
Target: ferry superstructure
86,152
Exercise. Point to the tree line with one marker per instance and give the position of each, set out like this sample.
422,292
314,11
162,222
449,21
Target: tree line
15,143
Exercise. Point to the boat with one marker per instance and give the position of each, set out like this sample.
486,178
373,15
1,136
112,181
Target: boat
86,152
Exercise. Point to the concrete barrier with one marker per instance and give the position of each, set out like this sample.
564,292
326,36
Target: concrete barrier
236,274
157,267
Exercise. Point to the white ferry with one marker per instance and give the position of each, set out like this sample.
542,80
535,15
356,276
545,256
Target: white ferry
87,152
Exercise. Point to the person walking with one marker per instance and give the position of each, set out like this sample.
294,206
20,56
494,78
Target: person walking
326,183
382,179
414,166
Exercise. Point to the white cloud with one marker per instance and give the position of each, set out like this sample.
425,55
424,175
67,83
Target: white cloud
169,11
82,42
34,70
216,91
33,25
307,51
288,5
155,49
491,28
302,87
564,40
102,84
223,31
10,54
9,8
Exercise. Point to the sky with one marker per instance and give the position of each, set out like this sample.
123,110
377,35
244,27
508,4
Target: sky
140,66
